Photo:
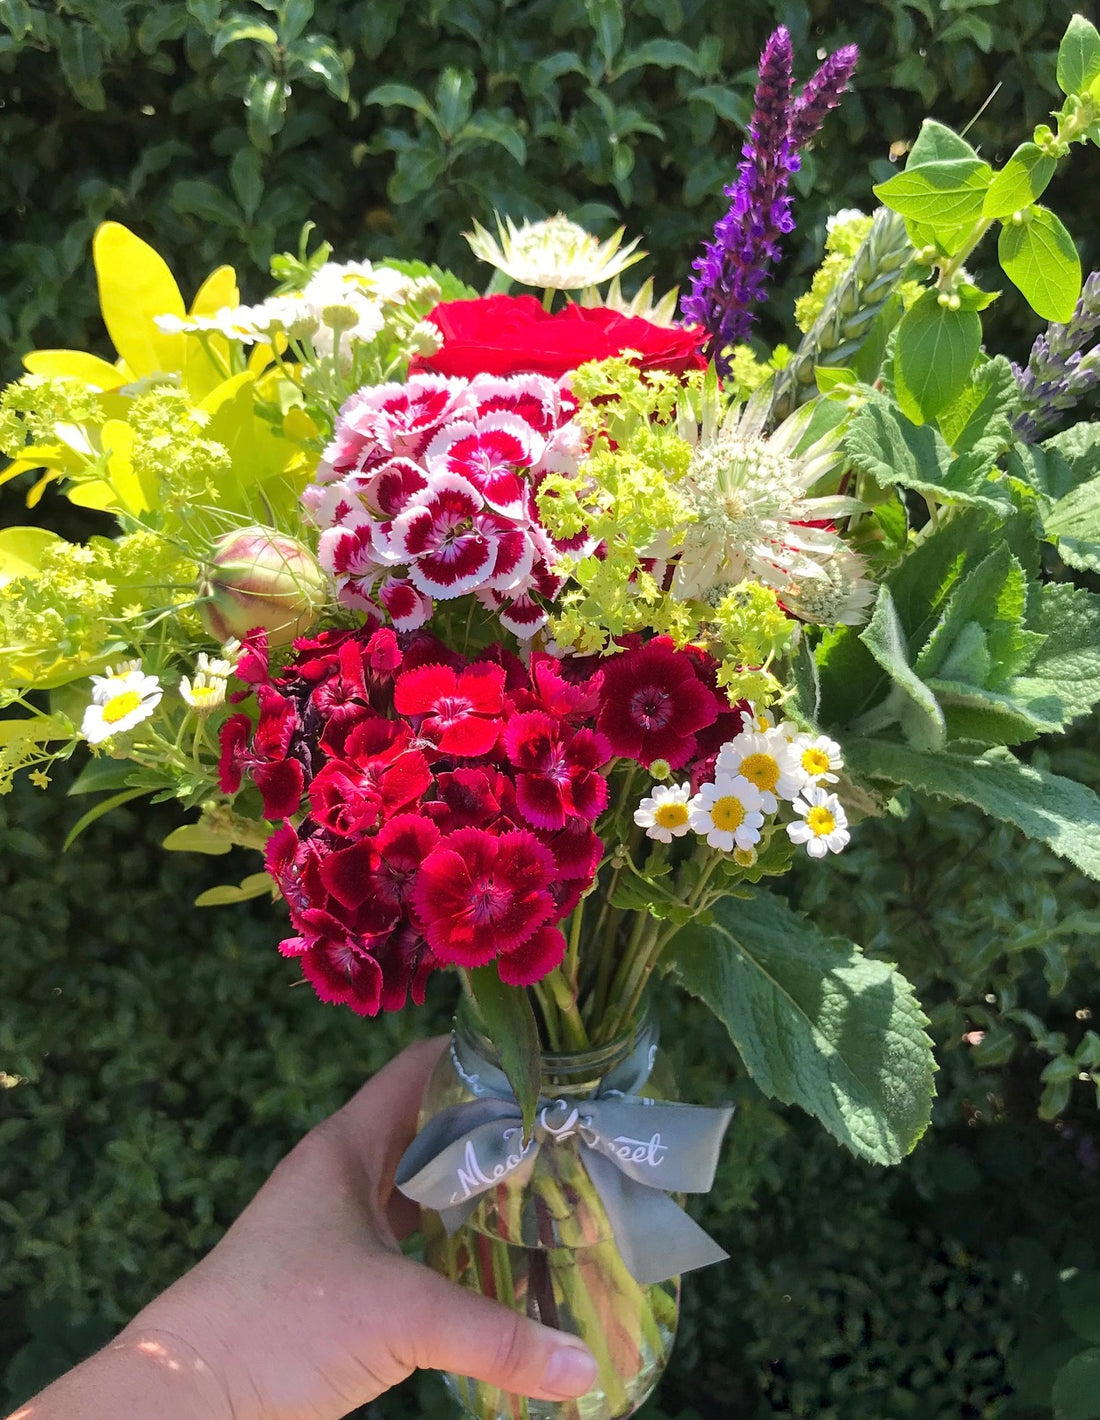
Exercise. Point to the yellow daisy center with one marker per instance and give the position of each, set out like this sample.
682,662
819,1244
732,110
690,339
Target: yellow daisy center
761,770
820,821
671,815
200,694
727,813
119,706
815,761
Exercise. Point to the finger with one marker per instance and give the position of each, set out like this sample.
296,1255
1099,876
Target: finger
444,1327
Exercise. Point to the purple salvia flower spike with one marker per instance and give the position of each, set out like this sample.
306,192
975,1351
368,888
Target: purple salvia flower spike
1063,367
822,92
732,272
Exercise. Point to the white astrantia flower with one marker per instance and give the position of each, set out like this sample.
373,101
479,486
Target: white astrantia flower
665,813
765,760
822,824
817,757
728,813
119,703
555,254
752,514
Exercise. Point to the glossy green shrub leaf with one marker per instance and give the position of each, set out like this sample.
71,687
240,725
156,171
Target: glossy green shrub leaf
1021,181
1076,1391
1078,56
935,353
236,28
1039,257
315,55
816,1023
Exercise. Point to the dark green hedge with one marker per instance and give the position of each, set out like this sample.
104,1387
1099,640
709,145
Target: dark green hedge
216,129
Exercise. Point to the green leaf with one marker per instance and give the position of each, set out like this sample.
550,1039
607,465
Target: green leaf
318,57
98,775
1074,524
265,99
1080,447
454,95
937,144
910,703
607,19
103,807
1039,258
194,838
1076,1392
199,198
246,179
934,356
659,54
1079,1299
81,54
1021,181
1078,57
235,28
946,196
979,421
1059,812
402,96
490,127
255,885
993,599
886,446
816,1023
510,1023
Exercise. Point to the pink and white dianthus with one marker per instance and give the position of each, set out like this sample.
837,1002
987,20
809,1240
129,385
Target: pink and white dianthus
427,492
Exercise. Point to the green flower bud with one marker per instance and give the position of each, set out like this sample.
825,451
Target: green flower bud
259,578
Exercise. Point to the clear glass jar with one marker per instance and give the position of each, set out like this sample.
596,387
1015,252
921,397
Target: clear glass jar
540,1241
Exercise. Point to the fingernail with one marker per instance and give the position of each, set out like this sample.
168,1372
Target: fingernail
570,1371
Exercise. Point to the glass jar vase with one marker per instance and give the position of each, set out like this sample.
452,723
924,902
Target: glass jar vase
540,1240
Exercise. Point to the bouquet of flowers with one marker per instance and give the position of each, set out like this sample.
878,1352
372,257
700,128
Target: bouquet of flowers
526,639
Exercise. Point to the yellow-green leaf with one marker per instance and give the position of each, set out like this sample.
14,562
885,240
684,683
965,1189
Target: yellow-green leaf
21,551
94,494
36,729
1019,183
194,838
135,493
218,290
135,285
255,885
75,365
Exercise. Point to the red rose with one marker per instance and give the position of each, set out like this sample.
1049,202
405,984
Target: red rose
511,335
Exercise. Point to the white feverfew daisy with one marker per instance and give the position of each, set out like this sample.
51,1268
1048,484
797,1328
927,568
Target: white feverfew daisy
207,690
113,679
760,721
665,814
727,812
817,758
119,704
765,760
822,824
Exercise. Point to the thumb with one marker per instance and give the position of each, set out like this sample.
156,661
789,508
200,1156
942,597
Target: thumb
451,1329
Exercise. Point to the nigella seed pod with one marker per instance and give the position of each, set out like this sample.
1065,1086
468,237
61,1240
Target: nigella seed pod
259,578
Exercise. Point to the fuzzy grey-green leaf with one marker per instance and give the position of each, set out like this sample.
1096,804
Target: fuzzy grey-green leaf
816,1022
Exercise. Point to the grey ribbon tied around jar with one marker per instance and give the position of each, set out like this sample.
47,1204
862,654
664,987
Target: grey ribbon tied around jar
636,1151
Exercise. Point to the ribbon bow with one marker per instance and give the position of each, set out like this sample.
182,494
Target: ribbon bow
636,1151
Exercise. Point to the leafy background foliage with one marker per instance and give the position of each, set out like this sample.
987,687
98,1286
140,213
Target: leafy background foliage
156,1059
211,127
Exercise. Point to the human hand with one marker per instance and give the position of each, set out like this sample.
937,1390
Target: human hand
307,1308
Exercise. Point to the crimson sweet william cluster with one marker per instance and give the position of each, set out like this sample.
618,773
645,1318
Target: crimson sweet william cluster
440,810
